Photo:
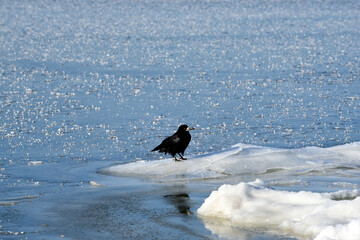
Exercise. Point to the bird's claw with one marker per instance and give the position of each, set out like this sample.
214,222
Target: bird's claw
179,160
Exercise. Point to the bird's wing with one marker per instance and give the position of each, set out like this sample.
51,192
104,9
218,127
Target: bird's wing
173,139
167,143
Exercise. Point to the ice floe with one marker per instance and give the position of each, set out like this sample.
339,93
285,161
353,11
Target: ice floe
305,215
95,184
246,159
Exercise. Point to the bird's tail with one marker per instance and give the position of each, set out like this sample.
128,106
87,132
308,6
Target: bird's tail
155,149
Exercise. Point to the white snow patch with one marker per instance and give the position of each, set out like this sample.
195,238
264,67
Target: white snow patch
35,163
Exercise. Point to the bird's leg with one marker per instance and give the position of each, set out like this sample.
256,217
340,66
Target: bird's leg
176,160
182,158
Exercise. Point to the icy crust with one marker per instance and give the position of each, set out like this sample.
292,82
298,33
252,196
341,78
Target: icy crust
302,214
245,159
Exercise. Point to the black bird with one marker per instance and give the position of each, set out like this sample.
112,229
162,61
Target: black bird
177,143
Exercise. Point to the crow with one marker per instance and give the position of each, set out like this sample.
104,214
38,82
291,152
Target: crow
177,143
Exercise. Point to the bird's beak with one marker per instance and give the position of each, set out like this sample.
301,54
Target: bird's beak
189,128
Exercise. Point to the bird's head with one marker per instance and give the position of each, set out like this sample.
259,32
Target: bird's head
185,128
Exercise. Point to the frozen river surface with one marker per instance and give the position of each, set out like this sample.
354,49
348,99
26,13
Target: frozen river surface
88,88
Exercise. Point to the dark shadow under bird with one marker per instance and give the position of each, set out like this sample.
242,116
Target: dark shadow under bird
177,143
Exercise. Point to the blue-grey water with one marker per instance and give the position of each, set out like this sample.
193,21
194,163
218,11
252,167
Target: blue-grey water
88,84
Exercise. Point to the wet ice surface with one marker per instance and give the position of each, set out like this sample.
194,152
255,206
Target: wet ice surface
254,205
87,85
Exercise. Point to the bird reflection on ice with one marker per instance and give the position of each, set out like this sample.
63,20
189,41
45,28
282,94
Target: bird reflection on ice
180,201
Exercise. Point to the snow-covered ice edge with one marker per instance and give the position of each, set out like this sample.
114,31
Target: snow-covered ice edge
244,159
